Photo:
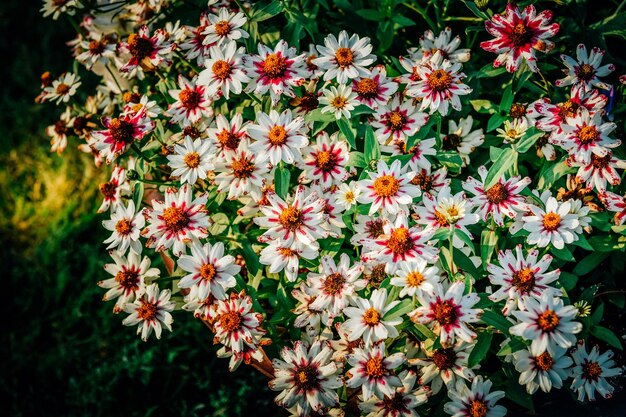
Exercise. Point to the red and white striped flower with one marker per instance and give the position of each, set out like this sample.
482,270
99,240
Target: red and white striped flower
444,365
344,58
615,203
501,199
241,173
521,277
193,102
368,319
225,71
120,133
517,36
372,370
585,70
114,189
402,403
445,44
145,51
397,121
226,135
543,370
150,312
448,312
325,160
237,326
176,222
599,171
374,89
280,257
193,46
278,137
585,134
126,225
307,377
475,401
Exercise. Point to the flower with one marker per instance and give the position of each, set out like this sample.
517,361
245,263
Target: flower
97,48
517,36
372,371
150,312
513,130
225,70
541,369
299,221
439,86
306,376
449,312
193,46
226,136
278,137
615,203
237,326
555,225
501,199
431,183
209,269
461,139
599,171
374,89
367,320
114,189
129,275
339,100
55,8
191,161
591,370
193,102
402,403
276,71
145,51
396,122
280,257
126,226
443,365
547,323
414,276
62,88
445,45
241,173
348,194
521,277
389,188
224,27
585,69
121,132
585,134
476,401
344,58
335,286
177,221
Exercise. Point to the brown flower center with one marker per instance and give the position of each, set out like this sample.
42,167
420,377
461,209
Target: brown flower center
591,370
147,311
396,405
189,99
274,66
208,272
451,142
306,377
587,134
228,139
524,280
230,321
517,111
568,109
121,130
477,408
291,219
309,101
377,276
60,128
277,135
222,28
497,194
600,162
445,313
444,358
139,47
367,88
96,47
62,89
334,283
386,186
123,227
221,69
395,121
544,361
400,241
374,228
339,102
439,80
175,219
423,180
585,72
520,35
371,317
344,57
326,161
374,368
548,321
127,279
242,167
108,189
414,279
551,221
192,159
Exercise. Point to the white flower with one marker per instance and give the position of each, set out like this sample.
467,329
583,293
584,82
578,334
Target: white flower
445,45
397,121
372,371
513,130
193,102
62,88
224,27
278,137
542,369
241,173
224,70
237,325
374,89
586,69
191,160
591,370
339,100
389,188
348,194
367,320
126,226
414,276
462,139
554,225
226,136
402,403
280,257
475,401
150,312
325,160
344,58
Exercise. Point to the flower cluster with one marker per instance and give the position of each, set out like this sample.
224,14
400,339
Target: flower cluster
347,226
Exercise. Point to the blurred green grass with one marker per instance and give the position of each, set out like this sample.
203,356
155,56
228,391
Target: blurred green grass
64,353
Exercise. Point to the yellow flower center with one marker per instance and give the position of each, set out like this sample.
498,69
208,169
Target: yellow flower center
129,280
222,28
274,66
277,135
108,189
587,134
175,219
339,102
344,57
548,321
400,241
396,121
591,370
551,221
445,313
444,358
139,47
386,186
221,69
414,279
291,218
374,368
544,362
230,321
524,280
497,194
62,89
568,109
367,88
334,283
439,80
371,317
192,159
242,167
189,99
147,311
207,272
121,130
520,35
477,408
585,72
326,161
228,139
123,227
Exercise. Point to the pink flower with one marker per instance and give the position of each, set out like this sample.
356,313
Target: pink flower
121,132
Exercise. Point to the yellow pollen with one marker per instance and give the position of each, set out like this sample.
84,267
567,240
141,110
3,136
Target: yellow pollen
568,109
326,161
291,218
414,279
396,121
551,221
222,28
189,99
108,189
344,57
208,272
139,47
520,35
374,368
371,317
349,196
477,408
544,361
587,134
524,280
127,279
123,227
367,88
497,194
221,69
585,72
62,89
445,313
274,66
230,321
192,159
242,168
339,102
228,139
334,283
147,311
439,80
400,241
175,219
277,135
548,321
591,370
121,130
442,220
386,186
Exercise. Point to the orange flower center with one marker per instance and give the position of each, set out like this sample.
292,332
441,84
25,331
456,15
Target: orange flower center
326,161
591,370
139,47
568,109
587,134
477,408
517,111
423,180
207,272
551,221
600,162
444,358
123,227
277,135
121,130
189,99
274,66
96,48
400,241
334,283
286,252
129,280
367,88
548,320
520,35
62,89
242,167
439,80
544,361
386,186
221,69
339,102
222,28
108,189
371,317
414,279
230,321
344,57
192,159
228,139
441,218
306,377
445,312
175,219
147,311
291,219
497,194
396,121
524,280
374,368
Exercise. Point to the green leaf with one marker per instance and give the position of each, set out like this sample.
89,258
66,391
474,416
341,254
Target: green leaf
507,100
527,142
568,281
564,253
513,345
372,148
347,131
488,71
262,12
474,9
401,21
357,159
369,14
483,106
517,393
138,194
495,122
606,335
583,243
598,314
251,258
450,160
481,348
401,309
506,160
281,179
488,242
590,262
551,172
496,320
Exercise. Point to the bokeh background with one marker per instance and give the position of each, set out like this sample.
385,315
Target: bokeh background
63,353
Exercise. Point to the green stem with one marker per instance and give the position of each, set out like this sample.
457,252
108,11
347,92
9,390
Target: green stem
422,13
451,249
243,9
